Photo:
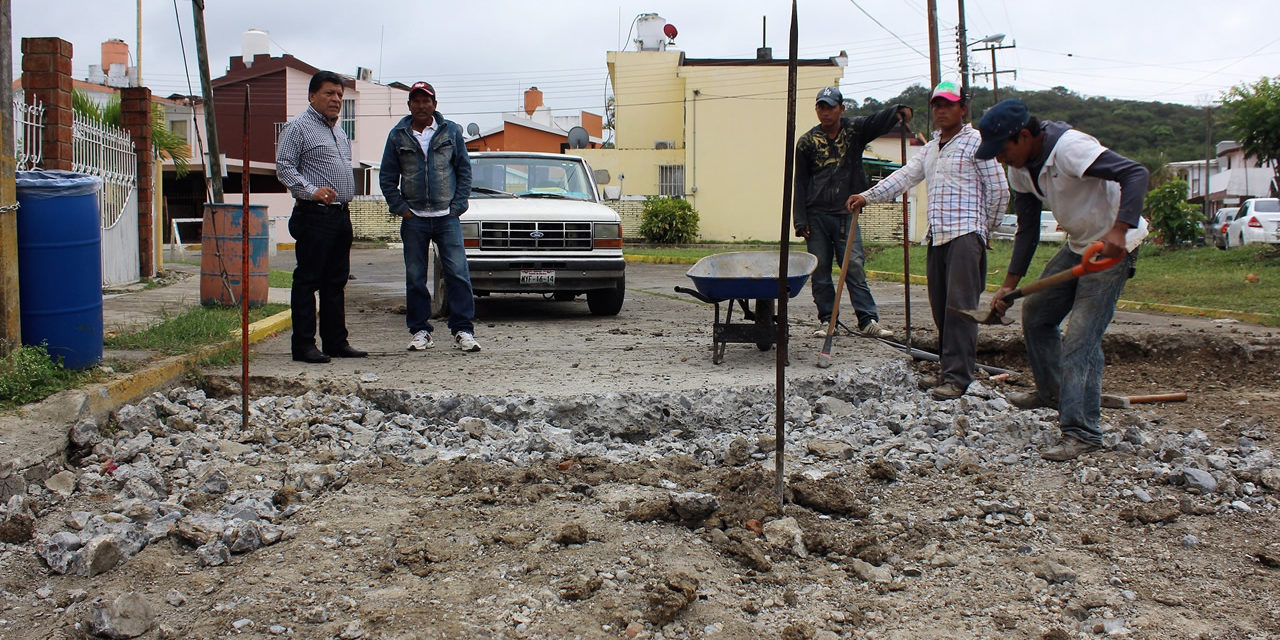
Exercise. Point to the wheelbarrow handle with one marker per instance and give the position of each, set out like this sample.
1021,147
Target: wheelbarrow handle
697,294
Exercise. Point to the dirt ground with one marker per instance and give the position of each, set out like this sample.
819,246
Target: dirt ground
585,548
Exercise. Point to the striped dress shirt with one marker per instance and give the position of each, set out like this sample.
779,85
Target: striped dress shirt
312,154
965,195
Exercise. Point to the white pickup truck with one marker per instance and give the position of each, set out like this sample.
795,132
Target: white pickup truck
536,225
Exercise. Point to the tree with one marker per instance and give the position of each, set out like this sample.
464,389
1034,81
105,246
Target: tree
1172,218
1253,119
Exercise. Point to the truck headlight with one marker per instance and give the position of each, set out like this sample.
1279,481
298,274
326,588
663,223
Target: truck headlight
608,235
471,235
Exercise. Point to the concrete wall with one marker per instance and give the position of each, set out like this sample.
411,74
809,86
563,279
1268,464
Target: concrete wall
725,121
648,98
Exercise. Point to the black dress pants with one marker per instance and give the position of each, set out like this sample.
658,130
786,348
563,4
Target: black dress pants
322,237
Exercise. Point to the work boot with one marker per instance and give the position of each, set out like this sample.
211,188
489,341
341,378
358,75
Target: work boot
1024,400
948,391
1068,449
928,382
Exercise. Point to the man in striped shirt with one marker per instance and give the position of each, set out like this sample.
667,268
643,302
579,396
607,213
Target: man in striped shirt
313,159
966,199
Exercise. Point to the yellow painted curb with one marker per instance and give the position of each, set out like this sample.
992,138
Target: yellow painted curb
1130,305
108,396
1243,316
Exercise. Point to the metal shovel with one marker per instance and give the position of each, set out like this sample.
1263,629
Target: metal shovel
1088,264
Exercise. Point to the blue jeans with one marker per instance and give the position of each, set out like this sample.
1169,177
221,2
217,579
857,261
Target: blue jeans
418,233
827,232
1068,366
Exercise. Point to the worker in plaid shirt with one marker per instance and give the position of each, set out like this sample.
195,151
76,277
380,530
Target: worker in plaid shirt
966,199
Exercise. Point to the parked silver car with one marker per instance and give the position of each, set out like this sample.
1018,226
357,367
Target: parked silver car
1216,231
1049,229
1007,227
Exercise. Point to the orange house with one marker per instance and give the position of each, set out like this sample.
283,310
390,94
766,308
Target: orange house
535,129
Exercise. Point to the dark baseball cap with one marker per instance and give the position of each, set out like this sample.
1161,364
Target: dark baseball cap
424,87
1000,123
831,96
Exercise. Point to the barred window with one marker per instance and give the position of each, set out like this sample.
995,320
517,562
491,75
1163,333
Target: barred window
348,118
671,180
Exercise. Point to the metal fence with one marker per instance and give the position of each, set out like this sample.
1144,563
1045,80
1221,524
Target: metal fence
28,128
105,151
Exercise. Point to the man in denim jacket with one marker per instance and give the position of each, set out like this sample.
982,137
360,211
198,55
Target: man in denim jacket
426,179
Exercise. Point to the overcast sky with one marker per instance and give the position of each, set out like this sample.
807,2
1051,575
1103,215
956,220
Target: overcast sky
482,54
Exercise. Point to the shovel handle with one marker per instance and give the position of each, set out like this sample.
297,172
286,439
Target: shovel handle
1089,262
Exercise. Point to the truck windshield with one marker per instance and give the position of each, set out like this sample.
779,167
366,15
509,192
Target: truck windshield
524,177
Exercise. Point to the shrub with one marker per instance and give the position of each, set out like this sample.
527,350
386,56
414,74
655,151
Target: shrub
27,374
668,221
1173,219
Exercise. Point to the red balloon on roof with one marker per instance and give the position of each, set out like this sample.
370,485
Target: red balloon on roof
670,31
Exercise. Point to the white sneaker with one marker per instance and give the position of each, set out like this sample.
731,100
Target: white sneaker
465,341
820,332
874,330
421,341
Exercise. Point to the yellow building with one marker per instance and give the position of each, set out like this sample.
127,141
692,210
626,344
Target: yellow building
710,130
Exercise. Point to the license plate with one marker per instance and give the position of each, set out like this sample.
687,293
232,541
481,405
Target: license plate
537,276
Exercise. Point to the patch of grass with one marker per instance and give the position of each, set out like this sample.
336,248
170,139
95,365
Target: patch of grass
194,328
27,374
280,279
1241,279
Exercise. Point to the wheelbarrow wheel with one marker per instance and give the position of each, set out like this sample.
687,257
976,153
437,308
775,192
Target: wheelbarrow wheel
764,323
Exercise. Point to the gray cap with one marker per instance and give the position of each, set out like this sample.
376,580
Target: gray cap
831,96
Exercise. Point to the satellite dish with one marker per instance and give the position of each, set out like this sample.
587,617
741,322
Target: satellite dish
669,30
578,138
473,129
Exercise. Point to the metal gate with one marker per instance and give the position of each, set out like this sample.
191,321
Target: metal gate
28,131
106,151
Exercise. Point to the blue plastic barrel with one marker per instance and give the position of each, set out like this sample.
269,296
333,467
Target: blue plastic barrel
60,265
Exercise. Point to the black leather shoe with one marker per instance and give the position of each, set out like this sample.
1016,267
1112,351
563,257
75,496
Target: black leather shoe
345,351
311,355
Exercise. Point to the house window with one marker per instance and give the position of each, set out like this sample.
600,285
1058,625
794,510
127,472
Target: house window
671,180
179,129
279,128
348,119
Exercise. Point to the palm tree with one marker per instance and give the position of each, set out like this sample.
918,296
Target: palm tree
164,143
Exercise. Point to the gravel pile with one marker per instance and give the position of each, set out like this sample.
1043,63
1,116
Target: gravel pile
168,460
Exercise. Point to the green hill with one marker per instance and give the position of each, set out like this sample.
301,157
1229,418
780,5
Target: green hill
1152,133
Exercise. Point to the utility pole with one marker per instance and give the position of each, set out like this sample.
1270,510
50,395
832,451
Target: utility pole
935,63
1208,156
213,170
993,45
962,39
10,313
137,71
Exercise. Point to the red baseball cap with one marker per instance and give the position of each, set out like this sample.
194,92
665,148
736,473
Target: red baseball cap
424,87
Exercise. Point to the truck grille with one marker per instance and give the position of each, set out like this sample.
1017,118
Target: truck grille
535,236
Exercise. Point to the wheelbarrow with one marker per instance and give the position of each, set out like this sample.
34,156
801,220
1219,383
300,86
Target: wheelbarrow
749,279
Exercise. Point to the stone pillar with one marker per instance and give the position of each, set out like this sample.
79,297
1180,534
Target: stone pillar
135,115
46,73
